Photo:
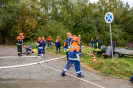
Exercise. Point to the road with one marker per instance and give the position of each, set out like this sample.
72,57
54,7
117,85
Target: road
48,75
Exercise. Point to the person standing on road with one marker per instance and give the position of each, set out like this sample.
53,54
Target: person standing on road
92,42
67,42
49,41
19,43
44,44
73,58
97,45
57,44
40,46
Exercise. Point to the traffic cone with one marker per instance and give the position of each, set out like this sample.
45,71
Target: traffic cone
94,58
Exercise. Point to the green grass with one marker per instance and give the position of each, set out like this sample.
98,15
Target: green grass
119,68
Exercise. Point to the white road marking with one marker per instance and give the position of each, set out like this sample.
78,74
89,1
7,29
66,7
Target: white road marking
18,56
16,66
74,76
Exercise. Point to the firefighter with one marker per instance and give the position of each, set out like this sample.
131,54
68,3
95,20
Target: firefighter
92,42
97,45
67,42
28,49
40,46
57,44
73,58
19,43
79,43
49,41
44,44
131,79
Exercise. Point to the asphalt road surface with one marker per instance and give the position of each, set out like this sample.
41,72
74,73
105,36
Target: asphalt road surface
48,75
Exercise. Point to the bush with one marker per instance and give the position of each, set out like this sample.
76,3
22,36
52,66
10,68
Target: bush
32,44
52,29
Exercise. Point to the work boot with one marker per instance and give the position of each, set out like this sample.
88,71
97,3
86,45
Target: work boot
80,75
63,74
19,54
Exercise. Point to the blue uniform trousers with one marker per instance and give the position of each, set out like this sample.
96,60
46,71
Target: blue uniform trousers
76,65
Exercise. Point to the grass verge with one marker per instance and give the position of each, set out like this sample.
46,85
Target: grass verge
119,68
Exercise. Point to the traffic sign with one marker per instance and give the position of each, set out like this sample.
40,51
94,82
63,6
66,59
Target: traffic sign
109,17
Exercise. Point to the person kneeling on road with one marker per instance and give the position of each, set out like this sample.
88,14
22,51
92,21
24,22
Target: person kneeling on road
28,49
73,58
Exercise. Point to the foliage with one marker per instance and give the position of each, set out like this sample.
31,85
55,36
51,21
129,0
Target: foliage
76,16
53,28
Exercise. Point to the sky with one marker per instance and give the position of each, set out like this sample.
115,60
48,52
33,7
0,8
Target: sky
130,2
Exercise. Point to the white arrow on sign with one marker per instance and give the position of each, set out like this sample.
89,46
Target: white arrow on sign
109,17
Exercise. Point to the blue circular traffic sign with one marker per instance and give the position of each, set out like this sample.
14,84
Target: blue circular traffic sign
109,17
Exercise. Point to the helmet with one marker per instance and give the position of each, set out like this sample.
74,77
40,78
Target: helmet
79,35
68,33
75,38
21,34
39,38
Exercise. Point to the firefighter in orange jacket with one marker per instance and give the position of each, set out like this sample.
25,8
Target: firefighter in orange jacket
28,49
73,58
19,43
40,46
57,44
49,41
44,44
67,42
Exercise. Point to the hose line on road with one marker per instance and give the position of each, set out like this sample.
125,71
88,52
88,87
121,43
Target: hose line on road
42,61
74,76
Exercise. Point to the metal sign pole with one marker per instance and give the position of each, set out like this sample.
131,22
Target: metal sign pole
111,41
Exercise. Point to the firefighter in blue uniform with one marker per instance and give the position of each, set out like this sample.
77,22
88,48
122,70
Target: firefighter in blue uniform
28,49
97,46
67,42
49,41
131,79
44,44
19,43
40,46
73,58
57,44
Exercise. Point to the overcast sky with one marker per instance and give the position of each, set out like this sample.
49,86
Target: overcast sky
130,2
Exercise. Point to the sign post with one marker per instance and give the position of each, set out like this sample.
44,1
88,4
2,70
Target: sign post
109,17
